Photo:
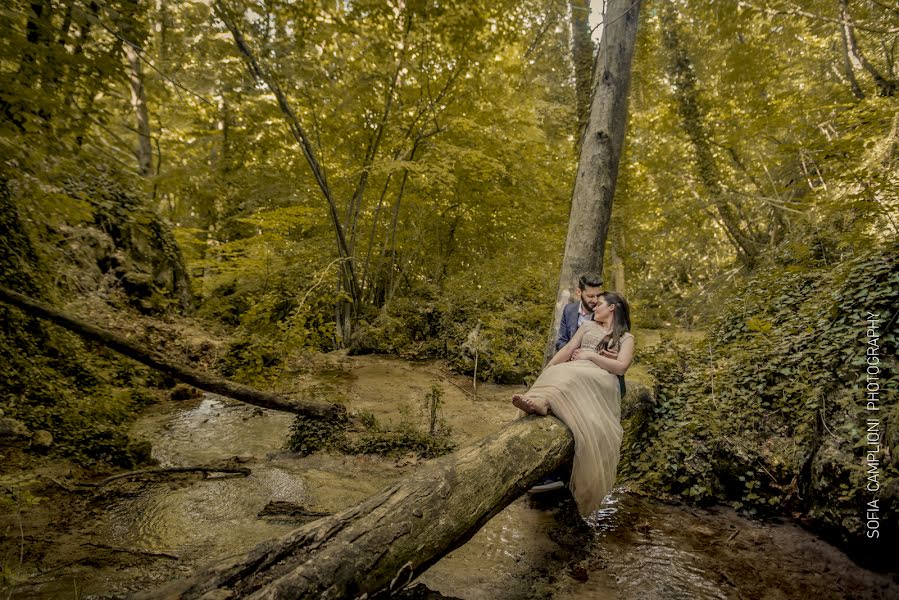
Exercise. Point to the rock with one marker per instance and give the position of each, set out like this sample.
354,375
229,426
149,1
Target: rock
138,284
41,439
141,452
12,428
182,391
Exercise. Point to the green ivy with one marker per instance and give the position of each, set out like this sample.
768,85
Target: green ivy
768,413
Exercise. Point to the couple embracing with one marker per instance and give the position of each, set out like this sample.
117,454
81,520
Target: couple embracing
582,385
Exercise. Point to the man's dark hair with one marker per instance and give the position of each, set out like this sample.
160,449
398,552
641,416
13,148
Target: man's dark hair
589,280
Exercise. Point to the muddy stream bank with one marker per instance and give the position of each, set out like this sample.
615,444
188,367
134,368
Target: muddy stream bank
131,536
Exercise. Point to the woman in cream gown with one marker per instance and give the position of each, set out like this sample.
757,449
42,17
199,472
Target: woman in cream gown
580,387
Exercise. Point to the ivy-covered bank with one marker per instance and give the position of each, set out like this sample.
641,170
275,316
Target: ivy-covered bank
772,412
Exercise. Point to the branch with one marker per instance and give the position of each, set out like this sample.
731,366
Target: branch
318,282
164,471
156,360
132,550
448,380
375,141
140,54
544,27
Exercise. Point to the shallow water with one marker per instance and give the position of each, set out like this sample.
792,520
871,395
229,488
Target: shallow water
536,548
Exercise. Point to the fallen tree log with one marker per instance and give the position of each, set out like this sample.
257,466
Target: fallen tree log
203,381
382,543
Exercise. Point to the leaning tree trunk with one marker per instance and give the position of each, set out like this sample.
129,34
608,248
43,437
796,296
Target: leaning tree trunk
384,542
198,379
582,56
591,203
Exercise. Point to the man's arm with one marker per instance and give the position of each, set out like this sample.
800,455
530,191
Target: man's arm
563,330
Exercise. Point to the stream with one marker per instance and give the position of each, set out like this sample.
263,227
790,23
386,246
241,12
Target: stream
635,547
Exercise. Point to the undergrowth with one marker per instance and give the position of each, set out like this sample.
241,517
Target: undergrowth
770,413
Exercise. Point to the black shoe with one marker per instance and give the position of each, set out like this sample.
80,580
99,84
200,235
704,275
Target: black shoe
550,484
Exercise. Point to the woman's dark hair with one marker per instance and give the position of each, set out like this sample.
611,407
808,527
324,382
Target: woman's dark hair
621,317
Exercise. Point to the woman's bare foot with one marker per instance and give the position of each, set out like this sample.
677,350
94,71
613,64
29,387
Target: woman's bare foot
541,407
531,407
522,403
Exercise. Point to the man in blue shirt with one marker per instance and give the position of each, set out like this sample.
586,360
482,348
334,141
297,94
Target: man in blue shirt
589,287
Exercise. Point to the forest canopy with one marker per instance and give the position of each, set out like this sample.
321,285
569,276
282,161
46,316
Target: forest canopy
396,177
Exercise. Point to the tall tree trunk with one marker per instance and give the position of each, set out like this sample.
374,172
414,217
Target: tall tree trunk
582,57
375,142
133,36
392,268
848,68
597,173
144,152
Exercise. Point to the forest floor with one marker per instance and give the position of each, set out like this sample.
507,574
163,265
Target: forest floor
61,541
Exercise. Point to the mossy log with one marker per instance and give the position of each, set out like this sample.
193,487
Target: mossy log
383,543
204,381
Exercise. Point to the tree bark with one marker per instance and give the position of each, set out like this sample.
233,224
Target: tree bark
886,87
582,56
144,152
594,188
204,381
848,69
384,542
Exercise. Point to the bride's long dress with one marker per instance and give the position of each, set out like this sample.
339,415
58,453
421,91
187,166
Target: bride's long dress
587,399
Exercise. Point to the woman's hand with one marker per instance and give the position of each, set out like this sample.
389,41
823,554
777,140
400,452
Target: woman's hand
582,354
608,353
565,352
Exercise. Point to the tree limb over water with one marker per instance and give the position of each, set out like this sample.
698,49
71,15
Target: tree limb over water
203,381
